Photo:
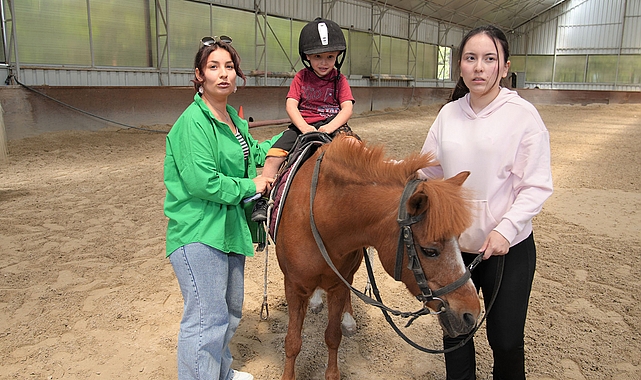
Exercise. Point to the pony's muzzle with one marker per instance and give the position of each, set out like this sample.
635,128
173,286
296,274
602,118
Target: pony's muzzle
454,324
469,321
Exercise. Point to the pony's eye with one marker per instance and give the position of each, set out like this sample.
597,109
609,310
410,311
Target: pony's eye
430,251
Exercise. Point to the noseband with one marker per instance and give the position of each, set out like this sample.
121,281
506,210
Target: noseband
406,244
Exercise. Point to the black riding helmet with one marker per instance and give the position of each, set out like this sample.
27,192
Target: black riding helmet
321,36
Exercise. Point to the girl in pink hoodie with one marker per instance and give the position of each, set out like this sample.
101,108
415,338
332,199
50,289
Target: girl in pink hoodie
500,138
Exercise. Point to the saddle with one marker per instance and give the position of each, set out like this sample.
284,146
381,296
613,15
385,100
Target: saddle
305,146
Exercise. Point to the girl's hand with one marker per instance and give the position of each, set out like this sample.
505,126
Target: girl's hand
495,245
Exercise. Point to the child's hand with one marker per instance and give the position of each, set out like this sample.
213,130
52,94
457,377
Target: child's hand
306,129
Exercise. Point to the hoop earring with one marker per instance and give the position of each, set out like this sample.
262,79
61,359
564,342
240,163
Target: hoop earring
201,90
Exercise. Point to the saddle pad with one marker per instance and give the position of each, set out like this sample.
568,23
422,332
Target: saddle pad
300,154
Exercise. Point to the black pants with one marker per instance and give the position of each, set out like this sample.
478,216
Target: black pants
288,139
505,323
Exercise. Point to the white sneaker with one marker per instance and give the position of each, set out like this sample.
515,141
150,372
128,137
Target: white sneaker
242,375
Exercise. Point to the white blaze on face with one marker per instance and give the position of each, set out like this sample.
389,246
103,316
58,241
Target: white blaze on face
459,258
322,32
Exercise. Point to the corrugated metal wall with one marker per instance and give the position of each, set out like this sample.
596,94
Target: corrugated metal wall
592,28
575,27
631,43
351,14
394,30
583,28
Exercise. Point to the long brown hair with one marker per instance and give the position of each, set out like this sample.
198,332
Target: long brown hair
200,61
496,35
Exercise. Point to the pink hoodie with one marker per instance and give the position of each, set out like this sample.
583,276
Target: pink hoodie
506,148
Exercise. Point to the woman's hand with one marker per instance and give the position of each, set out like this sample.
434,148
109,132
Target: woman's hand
263,184
495,245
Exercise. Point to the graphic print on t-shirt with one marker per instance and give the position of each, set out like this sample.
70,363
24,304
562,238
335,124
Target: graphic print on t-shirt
319,101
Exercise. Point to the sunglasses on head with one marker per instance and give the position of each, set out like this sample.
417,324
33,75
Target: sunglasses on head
208,41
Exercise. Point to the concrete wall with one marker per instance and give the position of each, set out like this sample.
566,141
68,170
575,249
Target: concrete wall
28,113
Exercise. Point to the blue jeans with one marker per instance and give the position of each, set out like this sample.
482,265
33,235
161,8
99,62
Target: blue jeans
212,286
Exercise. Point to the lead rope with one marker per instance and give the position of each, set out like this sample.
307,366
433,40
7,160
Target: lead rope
369,255
388,318
264,309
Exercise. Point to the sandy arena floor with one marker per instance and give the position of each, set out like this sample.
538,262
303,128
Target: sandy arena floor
86,293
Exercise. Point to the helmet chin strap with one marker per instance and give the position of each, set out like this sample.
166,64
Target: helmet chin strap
339,61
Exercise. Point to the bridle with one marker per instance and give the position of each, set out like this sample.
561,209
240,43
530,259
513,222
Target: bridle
405,243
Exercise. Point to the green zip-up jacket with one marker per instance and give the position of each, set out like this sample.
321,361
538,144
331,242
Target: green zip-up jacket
207,178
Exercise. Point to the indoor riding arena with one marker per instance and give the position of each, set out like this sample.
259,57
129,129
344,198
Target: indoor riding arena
87,293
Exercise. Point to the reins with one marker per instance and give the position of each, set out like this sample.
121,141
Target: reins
405,241
388,318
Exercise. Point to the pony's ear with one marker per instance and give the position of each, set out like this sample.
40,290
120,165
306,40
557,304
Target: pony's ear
459,178
417,204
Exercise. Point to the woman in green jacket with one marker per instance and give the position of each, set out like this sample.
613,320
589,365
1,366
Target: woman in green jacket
210,167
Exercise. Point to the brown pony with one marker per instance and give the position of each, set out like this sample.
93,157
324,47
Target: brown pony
355,206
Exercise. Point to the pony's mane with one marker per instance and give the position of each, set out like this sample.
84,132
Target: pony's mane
449,211
449,207
370,163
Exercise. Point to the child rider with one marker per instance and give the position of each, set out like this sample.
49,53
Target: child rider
319,96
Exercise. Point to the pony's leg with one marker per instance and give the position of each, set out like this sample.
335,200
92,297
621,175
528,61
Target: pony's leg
348,323
297,310
316,302
336,299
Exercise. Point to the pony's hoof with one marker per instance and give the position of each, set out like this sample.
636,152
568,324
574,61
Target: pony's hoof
316,308
316,301
348,325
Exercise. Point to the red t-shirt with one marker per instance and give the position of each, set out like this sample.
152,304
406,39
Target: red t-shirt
316,100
